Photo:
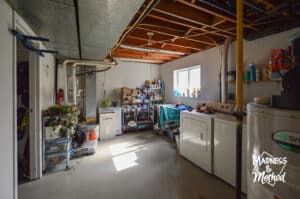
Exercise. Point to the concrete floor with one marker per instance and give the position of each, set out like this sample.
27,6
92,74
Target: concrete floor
132,166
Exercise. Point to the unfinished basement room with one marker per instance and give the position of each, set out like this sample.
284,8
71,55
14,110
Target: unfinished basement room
150,99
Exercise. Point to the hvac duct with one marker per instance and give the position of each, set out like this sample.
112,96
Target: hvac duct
224,83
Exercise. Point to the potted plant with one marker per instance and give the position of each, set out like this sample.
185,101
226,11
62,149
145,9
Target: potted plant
60,121
105,102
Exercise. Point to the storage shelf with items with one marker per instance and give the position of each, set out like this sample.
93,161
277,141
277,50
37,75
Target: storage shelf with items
280,63
261,81
139,105
57,126
156,90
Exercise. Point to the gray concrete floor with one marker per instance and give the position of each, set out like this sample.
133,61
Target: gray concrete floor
133,166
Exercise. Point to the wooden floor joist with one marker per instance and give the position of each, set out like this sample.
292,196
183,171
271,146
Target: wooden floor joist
188,26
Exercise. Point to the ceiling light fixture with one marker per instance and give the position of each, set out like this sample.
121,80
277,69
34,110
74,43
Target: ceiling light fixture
150,34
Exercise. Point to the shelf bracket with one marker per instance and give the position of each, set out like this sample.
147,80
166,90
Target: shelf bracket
25,39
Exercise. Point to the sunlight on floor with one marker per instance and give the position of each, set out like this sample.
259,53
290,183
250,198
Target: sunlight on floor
124,155
125,161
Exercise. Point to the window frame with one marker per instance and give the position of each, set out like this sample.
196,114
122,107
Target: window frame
176,79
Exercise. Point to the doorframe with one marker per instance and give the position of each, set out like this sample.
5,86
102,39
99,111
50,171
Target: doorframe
35,170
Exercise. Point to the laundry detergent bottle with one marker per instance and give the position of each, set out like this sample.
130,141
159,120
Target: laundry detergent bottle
252,70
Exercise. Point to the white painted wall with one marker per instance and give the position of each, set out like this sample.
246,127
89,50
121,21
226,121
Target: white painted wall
126,74
6,103
256,51
210,62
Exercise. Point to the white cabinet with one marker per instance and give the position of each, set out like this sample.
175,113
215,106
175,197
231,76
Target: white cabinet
110,122
225,149
107,126
196,138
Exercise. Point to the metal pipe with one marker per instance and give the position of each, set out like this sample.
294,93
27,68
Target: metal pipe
224,83
239,97
152,50
77,27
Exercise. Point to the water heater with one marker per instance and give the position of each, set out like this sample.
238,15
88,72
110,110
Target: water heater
273,157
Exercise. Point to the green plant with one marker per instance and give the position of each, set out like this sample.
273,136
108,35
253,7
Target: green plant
105,102
63,115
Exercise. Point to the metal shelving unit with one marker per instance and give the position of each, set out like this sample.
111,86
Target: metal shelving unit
56,151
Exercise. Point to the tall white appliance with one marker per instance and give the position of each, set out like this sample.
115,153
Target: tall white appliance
224,157
110,123
273,152
196,138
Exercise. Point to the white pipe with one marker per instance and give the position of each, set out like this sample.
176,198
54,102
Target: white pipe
153,50
139,60
85,63
224,82
74,85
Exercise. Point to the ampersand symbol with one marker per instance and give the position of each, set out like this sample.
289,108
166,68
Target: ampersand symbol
268,169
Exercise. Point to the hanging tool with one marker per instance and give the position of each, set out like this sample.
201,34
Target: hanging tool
25,39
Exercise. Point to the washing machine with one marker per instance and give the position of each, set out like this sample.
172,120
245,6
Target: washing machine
273,137
196,138
224,158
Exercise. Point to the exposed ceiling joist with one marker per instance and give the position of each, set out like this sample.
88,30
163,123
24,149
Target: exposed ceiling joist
127,53
170,44
163,31
188,25
212,12
143,42
173,13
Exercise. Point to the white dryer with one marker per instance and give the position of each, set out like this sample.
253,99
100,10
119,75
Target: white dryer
196,138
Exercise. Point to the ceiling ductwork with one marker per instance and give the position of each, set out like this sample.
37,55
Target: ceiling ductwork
101,24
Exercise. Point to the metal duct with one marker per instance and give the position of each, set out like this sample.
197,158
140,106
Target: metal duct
101,24
224,82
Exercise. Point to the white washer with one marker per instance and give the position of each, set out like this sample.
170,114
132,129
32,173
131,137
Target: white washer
196,138
273,132
225,150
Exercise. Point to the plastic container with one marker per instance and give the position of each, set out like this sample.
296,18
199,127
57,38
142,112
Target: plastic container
258,74
246,76
252,70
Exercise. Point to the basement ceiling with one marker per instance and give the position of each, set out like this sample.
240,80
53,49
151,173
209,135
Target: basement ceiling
183,27
101,23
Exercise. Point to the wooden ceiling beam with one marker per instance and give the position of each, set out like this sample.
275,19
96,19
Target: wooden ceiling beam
208,11
200,23
184,11
188,32
164,46
132,56
165,38
197,49
173,34
218,22
158,54
188,25
128,53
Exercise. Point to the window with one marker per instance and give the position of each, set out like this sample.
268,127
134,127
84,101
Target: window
187,82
